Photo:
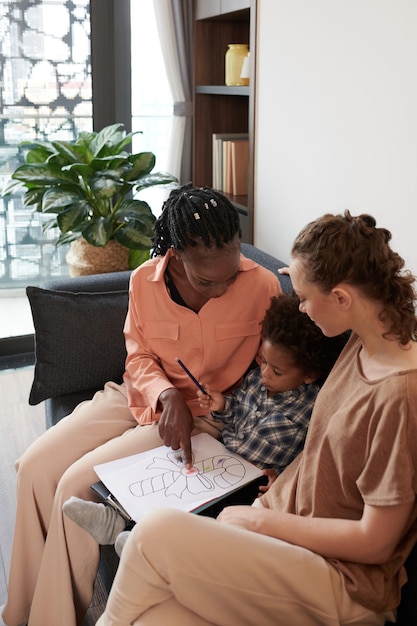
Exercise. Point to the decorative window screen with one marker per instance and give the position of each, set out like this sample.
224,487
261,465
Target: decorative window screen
45,93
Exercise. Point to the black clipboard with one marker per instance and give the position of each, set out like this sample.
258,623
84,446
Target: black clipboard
107,497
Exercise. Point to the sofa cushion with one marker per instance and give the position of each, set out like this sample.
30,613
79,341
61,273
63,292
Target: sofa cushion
84,325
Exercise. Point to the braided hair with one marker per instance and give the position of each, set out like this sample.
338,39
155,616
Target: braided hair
193,214
344,248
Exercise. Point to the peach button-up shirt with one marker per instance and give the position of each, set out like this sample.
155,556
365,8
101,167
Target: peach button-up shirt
217,344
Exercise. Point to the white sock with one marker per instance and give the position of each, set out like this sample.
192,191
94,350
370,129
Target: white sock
101,521
121,539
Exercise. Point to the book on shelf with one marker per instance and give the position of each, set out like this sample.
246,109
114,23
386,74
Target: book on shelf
227,167
222,159
239,159
136,484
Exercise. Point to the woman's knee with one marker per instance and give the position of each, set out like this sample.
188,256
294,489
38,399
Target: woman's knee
36,463
76,481
158,523
170,612
174,526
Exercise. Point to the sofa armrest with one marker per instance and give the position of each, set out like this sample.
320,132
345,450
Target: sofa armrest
112,281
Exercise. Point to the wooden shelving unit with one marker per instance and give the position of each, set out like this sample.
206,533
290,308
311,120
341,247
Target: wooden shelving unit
222,90
217,107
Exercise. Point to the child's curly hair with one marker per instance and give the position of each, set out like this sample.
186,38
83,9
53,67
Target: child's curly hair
285,325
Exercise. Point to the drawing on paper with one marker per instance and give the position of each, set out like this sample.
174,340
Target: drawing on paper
159,478
174,479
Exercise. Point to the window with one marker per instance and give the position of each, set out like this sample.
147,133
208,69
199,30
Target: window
45,68
151,97
46,94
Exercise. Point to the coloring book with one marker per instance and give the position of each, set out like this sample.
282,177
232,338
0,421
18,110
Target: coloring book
158,478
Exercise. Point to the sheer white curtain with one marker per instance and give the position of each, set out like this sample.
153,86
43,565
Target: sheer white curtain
174,20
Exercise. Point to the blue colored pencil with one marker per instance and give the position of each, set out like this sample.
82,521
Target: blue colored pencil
187,371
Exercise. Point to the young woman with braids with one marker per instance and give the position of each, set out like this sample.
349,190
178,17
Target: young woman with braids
327,543
197,299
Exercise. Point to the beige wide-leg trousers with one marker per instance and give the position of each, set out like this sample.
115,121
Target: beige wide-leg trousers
179,569
54,562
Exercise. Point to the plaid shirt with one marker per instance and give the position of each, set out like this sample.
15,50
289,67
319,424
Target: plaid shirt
268,432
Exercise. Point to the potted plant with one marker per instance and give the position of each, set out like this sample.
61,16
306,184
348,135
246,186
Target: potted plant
88,186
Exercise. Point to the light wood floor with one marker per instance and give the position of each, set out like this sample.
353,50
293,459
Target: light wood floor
20,424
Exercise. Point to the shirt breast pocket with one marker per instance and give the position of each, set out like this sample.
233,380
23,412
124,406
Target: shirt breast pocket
161,330
235,330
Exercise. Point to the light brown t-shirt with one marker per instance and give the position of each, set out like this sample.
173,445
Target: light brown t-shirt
361,448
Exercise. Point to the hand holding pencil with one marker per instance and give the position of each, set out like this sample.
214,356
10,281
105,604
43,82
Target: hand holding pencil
193,378
210,399
206,401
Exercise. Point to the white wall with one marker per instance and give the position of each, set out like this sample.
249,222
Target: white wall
336,117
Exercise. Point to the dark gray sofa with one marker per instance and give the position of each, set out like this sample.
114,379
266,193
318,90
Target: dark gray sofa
79,346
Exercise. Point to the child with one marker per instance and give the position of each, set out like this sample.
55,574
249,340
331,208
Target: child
266,419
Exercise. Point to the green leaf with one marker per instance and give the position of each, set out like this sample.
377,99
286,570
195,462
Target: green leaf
56,161
38,155
127,140
33,145
34,196
72,218
138,210
79,169
67,237
143,163
131,235
12,186
105,187
111,135
41,175
138,221
84,139
118,161
71,152
157,178
99,232
137,257
49,225
36,151
55,198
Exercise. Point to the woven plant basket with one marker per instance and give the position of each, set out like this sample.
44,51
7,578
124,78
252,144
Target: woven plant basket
83,258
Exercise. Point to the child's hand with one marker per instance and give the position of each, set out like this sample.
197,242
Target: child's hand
284,270
272,474
213,401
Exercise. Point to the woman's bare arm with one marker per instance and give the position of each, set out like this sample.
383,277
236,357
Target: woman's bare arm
371,539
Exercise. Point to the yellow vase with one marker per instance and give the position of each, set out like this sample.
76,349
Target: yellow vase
235,55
